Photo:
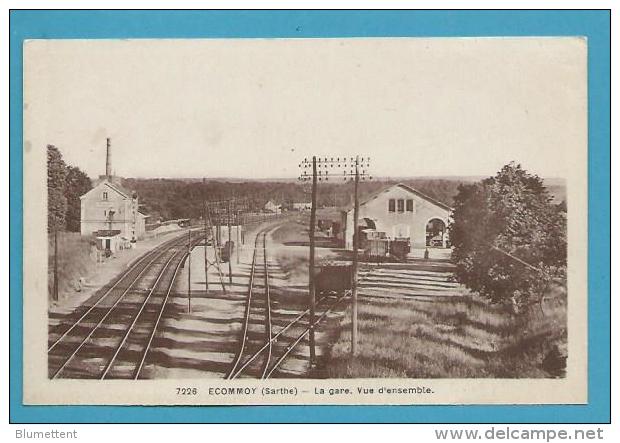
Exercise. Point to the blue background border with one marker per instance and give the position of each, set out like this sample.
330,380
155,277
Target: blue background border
595,25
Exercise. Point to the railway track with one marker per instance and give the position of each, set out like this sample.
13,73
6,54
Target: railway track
112,337
257,310
269,338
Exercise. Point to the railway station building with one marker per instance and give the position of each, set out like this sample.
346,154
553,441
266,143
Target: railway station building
401,212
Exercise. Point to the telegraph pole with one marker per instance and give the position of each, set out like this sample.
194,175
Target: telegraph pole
321,172
311,285
356,210
238,241
189,269
229,247
55,294
204,219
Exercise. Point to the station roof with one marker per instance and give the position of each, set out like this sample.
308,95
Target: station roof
406,188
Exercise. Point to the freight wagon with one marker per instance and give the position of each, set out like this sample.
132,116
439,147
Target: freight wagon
333,278
378,248
399,248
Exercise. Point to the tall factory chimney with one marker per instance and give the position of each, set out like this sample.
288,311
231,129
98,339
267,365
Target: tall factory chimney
108,159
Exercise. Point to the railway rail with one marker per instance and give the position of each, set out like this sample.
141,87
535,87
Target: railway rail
112,338
253,306
263,358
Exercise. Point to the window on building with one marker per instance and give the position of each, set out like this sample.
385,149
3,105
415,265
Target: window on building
401,205
409,205
104,196
392,205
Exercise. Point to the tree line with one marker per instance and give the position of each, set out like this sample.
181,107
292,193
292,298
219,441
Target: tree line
166,198
65,185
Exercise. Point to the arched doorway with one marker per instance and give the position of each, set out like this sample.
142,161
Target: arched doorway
368,223
436,233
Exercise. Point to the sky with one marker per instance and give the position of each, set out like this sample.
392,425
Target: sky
254,108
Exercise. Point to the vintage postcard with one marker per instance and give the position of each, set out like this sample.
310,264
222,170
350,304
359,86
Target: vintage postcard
305,221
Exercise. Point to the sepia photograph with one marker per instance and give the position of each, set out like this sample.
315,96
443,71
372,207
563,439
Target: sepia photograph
275,221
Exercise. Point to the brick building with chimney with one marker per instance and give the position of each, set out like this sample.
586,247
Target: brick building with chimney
109,211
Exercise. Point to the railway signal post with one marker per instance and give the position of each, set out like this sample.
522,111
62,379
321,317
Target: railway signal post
218,213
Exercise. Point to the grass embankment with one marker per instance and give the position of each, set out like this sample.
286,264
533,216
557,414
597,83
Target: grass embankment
458,337
74,261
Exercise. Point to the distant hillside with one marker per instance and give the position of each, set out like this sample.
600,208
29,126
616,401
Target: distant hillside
557,188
